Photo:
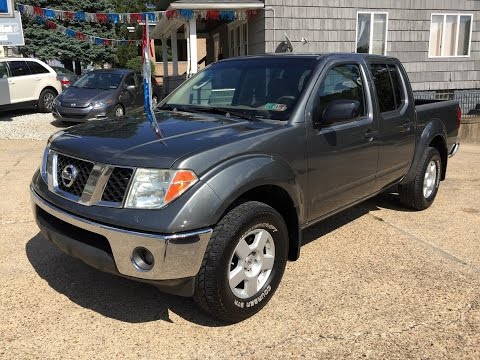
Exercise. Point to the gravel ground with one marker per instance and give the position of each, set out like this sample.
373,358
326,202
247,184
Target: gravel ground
376,281
28,124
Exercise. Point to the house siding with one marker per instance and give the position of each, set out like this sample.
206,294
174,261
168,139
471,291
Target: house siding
330,26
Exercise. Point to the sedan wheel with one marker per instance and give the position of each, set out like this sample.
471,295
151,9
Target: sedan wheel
119,111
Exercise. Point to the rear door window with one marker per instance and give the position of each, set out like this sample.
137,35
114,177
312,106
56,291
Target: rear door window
19,68
36,68
3,70
388,86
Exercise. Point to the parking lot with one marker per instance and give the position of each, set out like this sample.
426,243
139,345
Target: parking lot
376,281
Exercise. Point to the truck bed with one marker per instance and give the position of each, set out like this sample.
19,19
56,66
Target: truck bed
445,111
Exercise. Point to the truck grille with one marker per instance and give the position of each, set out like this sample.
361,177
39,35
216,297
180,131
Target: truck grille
117,185
86,182
84,169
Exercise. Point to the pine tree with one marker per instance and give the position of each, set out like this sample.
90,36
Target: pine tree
49,44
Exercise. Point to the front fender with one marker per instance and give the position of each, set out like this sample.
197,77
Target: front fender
432,129
235,177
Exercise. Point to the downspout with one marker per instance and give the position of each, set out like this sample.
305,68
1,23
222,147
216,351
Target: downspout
272,9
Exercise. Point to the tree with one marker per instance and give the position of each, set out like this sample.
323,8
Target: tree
49,44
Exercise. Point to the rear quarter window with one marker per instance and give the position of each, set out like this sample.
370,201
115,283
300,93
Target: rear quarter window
36,68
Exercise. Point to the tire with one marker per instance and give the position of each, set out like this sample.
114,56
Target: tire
45,101
247,224
420,193
119,111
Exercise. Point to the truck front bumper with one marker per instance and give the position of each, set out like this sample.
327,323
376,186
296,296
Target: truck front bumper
168,261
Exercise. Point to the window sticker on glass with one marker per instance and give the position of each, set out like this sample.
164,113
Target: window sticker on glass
275,107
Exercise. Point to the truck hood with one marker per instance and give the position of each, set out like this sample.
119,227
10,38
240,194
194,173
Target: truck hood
131,141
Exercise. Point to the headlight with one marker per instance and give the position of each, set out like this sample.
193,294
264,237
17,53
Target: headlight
153,189
43,166
99,104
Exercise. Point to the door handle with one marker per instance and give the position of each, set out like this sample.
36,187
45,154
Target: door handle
369,135
11,82
407,125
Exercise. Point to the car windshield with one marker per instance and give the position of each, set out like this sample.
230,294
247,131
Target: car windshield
99,80
267,87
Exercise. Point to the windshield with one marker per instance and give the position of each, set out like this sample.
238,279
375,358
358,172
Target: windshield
99,80
267,87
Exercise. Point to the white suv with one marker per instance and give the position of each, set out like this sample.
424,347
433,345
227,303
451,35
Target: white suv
25,82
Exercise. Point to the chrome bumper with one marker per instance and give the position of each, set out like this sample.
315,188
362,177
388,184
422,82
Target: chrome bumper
176,256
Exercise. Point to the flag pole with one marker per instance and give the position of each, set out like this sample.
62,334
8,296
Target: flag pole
147,78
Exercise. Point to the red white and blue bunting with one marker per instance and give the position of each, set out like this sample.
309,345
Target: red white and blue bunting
134,18
71,33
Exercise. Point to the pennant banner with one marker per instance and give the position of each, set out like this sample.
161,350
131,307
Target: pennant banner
135,18
82,36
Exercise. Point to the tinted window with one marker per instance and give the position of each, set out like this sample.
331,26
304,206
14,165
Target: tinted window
343,82
130,80
3,70
19,68
383,86
397,86
36,68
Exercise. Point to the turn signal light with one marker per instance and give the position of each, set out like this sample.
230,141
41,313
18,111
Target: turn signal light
182,180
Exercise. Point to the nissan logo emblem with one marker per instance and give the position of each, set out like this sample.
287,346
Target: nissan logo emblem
69,174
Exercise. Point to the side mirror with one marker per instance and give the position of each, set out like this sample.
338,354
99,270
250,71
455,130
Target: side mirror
337,111
131,87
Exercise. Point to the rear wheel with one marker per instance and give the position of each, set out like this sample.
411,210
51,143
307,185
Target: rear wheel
45,102
244,262
420,193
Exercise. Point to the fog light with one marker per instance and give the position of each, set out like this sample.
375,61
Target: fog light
142,259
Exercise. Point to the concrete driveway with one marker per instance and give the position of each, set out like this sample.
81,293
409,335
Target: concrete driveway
375,281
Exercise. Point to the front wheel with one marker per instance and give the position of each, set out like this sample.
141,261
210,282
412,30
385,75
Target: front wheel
244,262
119,111
45,101
420,193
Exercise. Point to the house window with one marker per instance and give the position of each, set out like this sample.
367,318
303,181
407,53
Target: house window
238,38
372,32
450,35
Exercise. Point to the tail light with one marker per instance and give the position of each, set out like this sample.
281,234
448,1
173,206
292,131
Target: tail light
459,116
65,82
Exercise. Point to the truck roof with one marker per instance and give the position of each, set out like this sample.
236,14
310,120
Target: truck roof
317,56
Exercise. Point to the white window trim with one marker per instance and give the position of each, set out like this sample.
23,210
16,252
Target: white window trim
456,38
234,25
372,14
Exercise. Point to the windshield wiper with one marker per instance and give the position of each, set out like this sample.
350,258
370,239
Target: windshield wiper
207,109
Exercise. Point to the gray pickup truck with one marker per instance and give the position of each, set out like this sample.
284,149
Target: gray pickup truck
250,152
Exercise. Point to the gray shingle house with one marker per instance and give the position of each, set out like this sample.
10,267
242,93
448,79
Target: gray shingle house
438,41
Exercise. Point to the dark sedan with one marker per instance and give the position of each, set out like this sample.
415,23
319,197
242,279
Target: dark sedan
65,76
101,94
